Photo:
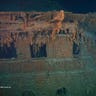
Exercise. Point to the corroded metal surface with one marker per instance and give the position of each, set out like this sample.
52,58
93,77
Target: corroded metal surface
67,68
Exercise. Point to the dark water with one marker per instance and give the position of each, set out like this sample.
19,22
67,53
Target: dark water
45,5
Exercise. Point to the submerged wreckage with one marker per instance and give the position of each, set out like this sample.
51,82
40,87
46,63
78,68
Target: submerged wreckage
27,35
35,46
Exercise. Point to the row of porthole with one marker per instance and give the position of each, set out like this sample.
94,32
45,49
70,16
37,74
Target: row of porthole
59,92
62,92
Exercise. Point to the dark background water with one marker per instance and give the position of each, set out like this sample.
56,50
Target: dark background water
77,6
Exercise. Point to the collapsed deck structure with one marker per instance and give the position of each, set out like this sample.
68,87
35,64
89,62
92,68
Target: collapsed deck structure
24,31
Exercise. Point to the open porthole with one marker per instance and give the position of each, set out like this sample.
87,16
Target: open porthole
28,93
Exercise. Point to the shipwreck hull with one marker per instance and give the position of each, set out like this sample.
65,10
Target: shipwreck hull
44,77
41,60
